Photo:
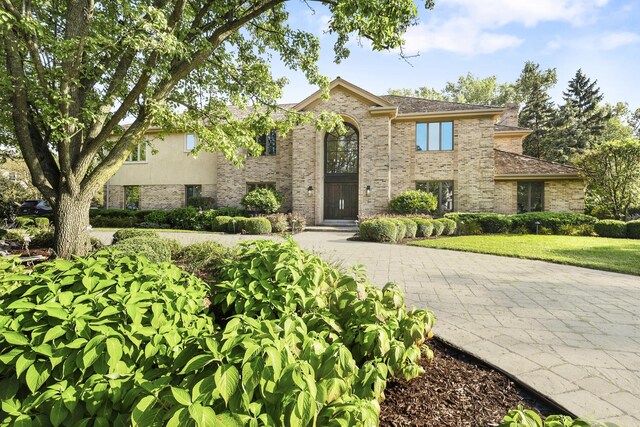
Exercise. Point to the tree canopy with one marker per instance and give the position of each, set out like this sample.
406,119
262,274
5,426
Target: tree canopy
74,71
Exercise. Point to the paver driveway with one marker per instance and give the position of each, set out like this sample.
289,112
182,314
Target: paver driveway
569,332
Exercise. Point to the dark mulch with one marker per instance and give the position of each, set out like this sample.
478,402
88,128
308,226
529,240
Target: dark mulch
455,391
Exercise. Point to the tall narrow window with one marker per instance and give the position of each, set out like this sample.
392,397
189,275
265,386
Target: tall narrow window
530,196
268,143
443,190
132,197
189,142
191,191
434,136
139,153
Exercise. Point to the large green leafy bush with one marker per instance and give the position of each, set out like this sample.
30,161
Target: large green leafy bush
258,225
611,228
413,202
128,233
154,248
425,227
633,229
262,200
410,227
205,256
378,230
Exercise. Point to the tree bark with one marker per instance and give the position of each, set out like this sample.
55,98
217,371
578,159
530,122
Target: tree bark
71,220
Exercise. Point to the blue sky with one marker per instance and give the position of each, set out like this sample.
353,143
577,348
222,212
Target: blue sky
492,37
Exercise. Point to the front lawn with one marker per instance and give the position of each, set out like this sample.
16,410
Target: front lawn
620,255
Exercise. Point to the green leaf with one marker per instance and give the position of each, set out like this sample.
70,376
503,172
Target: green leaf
65,298
23,421
53,333
181,396
114,350
58,413
144,416
11,406
196,363
24,361
305,407
15,338
178,418
227,380
37,374
202,415
21,304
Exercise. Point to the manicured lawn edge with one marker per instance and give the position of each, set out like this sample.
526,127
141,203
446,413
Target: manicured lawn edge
159,230
616,268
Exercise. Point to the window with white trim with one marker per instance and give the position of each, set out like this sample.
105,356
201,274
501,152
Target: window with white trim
138,154
189,142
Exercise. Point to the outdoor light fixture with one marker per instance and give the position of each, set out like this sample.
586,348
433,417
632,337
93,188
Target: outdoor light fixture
368,190
309,190
537,223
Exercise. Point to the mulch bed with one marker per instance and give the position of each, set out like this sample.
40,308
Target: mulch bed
455,391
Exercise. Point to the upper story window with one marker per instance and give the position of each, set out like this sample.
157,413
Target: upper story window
268,143
189,142
434,136
138,154
530,196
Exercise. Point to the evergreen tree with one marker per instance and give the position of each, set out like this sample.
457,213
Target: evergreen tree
539,111
582,119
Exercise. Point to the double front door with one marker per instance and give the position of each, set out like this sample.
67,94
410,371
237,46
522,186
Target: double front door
340,200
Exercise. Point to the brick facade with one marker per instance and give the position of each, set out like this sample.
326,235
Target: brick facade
512,144
564,196
156,196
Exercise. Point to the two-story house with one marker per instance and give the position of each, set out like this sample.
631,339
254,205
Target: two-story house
470,156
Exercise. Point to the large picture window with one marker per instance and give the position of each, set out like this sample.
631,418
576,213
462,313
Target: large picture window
268,143
138,154
342,152
443,190
132,197
530,196
435,136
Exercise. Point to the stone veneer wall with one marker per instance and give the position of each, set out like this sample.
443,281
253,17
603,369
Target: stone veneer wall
232,180
564,196
156,196
506,197
512,144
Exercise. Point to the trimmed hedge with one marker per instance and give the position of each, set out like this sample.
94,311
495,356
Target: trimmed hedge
425,227
254,225
204,256
413,202
438,228
128,233
449,226
611,228
156,250
379,230
411,227
221,223
550,220
633,229
402,229
492,223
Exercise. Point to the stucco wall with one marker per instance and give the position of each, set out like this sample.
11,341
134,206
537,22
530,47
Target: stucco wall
171,165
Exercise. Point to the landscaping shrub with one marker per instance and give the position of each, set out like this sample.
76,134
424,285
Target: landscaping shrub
175,247
128,233
378,230
550,220
228,211
297,222
611,228
576,230
24,221
41,222
205,256
262,201
221,223
413,202
158,217
278,222
469,223
41,238
184,219
156,249
438,227
425,227
201,203
449,226
255,225
633,229
402,229
301,342
15,235
410,227
112,222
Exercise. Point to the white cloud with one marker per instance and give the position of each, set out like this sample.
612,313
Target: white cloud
477,27
615,40
597,42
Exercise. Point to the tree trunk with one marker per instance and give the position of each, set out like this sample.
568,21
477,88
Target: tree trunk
71,220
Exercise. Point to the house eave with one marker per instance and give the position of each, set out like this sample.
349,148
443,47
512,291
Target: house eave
340,82
507,133
391,112
494,113
537,177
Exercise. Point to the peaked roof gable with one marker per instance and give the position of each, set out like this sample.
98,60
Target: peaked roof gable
341,83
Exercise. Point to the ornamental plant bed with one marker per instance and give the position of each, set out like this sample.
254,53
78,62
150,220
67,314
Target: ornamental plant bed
455,390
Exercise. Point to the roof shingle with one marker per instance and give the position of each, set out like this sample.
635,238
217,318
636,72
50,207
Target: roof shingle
507,163
409,104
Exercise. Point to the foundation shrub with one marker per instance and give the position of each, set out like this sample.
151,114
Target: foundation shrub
550,220
128,233
401,229
205,256
438,228
262,201
157,250
633,229
449,226
611,228
221,223
410,227
425,227
576,230
487,222
184,219
378,230
257,225
413,202
279,223
158,217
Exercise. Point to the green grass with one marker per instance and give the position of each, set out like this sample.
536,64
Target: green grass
620,255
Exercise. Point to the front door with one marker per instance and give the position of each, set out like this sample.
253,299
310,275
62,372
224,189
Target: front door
341,175
341,200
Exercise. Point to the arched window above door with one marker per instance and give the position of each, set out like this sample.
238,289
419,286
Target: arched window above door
341,152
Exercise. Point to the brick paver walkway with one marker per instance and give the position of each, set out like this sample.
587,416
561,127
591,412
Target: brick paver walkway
571,333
